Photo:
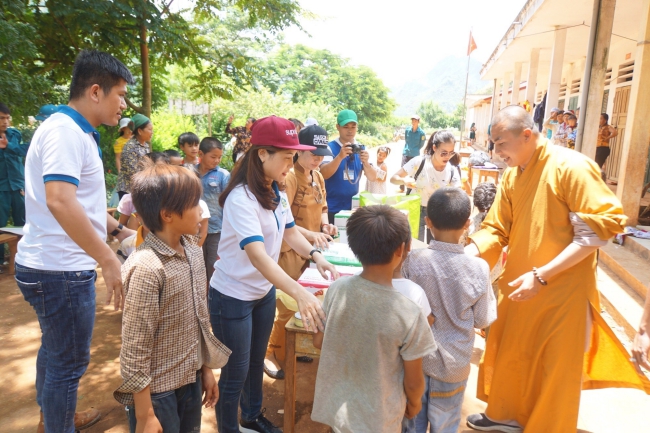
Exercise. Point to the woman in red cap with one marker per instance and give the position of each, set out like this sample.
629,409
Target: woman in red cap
256,219
307,197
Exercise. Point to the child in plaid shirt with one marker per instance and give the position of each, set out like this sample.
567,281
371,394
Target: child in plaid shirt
168,351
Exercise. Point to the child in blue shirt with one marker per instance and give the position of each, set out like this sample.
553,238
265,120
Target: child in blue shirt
214,180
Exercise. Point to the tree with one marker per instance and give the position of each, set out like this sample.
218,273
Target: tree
146,34
455,118
22,88
305,75
232,45
433,115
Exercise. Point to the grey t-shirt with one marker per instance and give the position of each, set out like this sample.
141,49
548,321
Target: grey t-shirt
371,330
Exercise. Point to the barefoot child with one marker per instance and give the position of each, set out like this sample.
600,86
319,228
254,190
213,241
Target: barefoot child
370,371
379,186
168,351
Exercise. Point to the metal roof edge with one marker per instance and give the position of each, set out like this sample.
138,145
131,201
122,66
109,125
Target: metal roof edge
523,17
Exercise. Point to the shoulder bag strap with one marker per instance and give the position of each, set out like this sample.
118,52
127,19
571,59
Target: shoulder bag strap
417,173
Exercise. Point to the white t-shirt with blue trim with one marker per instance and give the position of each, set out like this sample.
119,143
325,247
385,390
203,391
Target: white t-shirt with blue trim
246,221
62,149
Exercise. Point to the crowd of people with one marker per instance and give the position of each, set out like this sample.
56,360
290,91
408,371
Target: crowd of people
561,128
207,259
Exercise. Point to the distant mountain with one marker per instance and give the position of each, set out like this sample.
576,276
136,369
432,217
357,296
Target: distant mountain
444,84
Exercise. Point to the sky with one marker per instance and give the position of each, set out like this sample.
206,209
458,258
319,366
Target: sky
402,40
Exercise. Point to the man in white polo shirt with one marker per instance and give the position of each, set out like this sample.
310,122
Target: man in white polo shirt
65,235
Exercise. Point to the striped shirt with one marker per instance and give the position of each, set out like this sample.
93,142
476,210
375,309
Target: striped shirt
461,297
166,334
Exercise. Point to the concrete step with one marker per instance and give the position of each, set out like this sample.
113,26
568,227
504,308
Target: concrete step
629,262
640,247
621,302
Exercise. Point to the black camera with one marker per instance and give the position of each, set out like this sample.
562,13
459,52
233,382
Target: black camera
356,148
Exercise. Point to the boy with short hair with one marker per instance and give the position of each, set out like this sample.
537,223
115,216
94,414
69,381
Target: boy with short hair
214,180
188,143
168,351
372,387
460,294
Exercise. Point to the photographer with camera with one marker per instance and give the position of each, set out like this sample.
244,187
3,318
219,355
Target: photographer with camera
342,171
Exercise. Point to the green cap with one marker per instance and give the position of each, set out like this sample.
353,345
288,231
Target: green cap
345,117
139,120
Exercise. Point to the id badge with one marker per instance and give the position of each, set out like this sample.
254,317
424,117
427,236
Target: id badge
350,174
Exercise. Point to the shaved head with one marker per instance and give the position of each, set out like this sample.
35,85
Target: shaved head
514,119
514,135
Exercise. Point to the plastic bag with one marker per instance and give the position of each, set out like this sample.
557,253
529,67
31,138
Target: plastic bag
410,203
478,158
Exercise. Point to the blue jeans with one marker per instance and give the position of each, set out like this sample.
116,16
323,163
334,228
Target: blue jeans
178,411
65,306
441,406
244,327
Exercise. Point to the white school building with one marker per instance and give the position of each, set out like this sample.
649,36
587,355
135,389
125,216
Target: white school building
555,48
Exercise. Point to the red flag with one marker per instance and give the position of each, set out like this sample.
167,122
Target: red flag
472,45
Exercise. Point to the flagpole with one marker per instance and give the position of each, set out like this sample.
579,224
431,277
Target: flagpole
463,118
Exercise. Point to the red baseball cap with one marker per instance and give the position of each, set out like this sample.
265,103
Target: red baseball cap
276,132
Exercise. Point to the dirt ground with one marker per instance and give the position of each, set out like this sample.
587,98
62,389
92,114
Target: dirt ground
19,342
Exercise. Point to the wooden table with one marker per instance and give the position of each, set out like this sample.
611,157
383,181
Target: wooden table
11,236
483,174
464,154
298,343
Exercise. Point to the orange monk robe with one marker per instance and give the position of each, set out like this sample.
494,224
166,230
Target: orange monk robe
536,360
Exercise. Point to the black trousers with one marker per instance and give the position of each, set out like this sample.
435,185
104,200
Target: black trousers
602,153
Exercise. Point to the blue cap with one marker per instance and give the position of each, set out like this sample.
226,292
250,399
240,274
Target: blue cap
46,111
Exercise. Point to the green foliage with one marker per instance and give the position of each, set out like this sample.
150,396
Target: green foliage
39,42
226,159
168,125
305,75
111,182
264,103
22,89
379,131
455,117
433,115
108,135
368,140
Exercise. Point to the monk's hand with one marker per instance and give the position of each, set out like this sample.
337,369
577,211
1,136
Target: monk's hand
641,350
527,287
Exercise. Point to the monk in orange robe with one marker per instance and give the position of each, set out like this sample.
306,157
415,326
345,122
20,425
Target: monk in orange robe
549,341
